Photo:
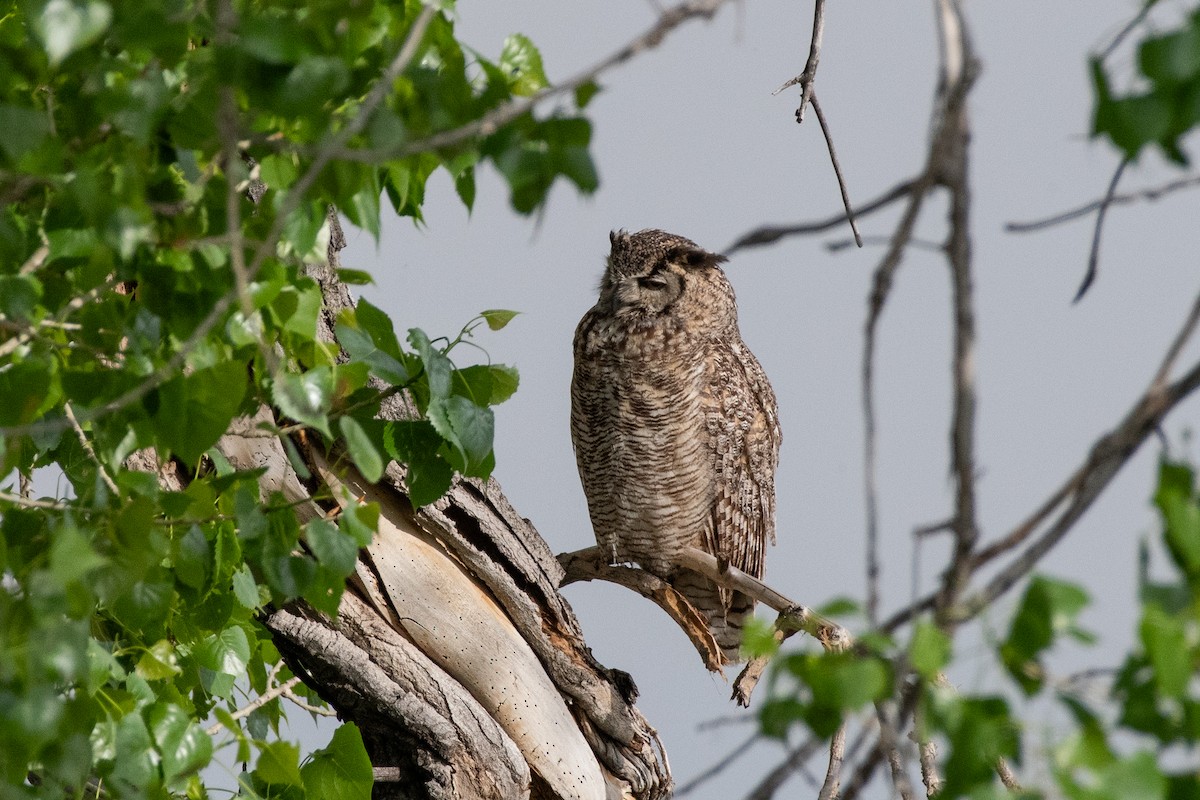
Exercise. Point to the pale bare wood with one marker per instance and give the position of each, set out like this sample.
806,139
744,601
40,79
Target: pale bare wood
460,627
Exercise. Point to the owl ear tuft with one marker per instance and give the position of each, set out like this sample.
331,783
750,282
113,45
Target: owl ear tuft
614,236
697,258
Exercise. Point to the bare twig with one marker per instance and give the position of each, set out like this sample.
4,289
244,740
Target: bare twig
837,171
492,121
1125,31
881,287
73,305
926,753
769,234
795,760
833,773
91,451
954,172
270,694
332,147
1151,194
591,564
309,707
29,502
1177,344
719,766
889,743
747,679
1101,213
837,245
808,77
1106,458
1006,775
35,261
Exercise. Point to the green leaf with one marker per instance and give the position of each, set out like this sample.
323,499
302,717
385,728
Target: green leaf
1165,640
929,651
65,26
379,326
193,558
195,410
135,761
1137,777
355,277
437,366
19,295
297,309
758,638
245,588
361,521
227,652
415,444
1048,609
473,429
72,555
342,769
183,745
28,389
980,730
332,547
522,65
306,397
278,764
24,130
497,318
1173,58
158,662
362,449
585,92
1176,501
778,715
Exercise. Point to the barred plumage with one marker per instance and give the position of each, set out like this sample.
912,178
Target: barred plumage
675,425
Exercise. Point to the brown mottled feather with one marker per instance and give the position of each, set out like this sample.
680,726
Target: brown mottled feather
675,426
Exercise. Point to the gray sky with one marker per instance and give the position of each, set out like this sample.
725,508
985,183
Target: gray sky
688,138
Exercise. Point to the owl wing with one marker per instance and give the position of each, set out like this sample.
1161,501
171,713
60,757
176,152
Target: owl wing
742,420
592,431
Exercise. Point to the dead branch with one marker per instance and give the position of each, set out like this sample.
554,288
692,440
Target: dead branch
720,766
670,19
889,744
1151,194
833,774
808,77
590,564
958,67
1006,776
769,234
792,762
1107,457
837,171
1094,253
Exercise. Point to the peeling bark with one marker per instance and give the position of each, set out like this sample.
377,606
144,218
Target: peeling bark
430,733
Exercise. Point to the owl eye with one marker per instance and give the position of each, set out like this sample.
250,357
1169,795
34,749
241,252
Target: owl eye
652,281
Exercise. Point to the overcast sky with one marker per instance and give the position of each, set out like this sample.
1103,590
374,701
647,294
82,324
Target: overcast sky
688,138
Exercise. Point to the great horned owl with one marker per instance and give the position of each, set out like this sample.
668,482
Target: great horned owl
674,423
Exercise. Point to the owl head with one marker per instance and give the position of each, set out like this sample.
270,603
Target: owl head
652,272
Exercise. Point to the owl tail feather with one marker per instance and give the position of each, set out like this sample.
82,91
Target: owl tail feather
725,611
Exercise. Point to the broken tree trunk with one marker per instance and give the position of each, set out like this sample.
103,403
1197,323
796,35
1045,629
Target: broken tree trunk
453,651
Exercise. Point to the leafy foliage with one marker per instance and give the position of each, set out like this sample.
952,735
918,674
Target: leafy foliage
1106,753
165,174
1169,104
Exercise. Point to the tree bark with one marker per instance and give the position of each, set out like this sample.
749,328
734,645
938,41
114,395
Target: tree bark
433,722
